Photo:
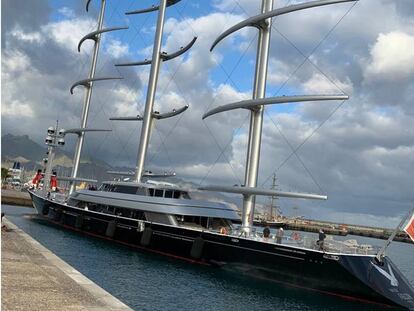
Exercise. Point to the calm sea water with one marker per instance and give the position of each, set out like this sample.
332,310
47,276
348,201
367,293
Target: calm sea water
151,282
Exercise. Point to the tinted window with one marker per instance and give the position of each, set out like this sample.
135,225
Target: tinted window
159,192
125,189
176,194
151,192
168,193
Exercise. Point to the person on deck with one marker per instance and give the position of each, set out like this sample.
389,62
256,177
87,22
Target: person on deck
37,178
266,232
279,235
321,240
53,181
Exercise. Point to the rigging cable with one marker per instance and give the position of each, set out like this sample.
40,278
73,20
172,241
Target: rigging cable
307,58
289,78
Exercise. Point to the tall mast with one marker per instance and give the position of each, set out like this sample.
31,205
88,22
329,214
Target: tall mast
256,116
256,105
157,57
152,87
87,97
88,84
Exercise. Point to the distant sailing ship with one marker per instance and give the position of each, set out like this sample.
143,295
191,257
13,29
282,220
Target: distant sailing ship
161,217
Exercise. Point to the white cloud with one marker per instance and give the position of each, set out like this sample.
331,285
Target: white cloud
31,37
15,68
68,32
279,72
14,62
319,84
126,102
16,109
117,49
392,57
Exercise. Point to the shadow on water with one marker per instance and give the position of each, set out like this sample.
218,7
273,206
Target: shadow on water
147,281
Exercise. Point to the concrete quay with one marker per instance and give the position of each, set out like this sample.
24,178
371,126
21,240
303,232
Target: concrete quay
33,278
14,197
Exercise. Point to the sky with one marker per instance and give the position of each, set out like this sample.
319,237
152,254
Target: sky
358,152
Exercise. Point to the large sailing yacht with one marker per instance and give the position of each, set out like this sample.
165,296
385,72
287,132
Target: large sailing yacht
161,217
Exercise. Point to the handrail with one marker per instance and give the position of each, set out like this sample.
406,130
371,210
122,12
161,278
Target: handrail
77,179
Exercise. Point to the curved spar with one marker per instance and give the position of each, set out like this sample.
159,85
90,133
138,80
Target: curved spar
152,8
164,56
256,21
255,103
94,34
87,82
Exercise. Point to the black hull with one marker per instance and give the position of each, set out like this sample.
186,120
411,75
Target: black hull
346,276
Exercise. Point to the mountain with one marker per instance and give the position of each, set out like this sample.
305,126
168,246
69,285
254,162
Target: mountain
13,147
30,154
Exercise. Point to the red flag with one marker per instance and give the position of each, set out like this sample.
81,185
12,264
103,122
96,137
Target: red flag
410,228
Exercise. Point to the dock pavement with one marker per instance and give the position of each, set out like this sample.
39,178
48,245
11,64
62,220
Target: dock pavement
33,278
14,197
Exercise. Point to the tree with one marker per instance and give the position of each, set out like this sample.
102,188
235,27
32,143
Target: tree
4,173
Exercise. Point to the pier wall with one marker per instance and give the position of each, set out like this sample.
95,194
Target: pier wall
33,278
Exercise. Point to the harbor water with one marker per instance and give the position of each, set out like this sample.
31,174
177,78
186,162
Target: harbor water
151,282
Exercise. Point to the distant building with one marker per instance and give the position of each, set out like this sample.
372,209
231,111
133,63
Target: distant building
15,174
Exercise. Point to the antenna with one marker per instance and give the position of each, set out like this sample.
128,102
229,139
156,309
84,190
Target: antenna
88,84
256,105
157,57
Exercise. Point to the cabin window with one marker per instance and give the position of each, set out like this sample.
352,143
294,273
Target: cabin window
159,192
151,192
176,194
125,189
168,194
195,220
